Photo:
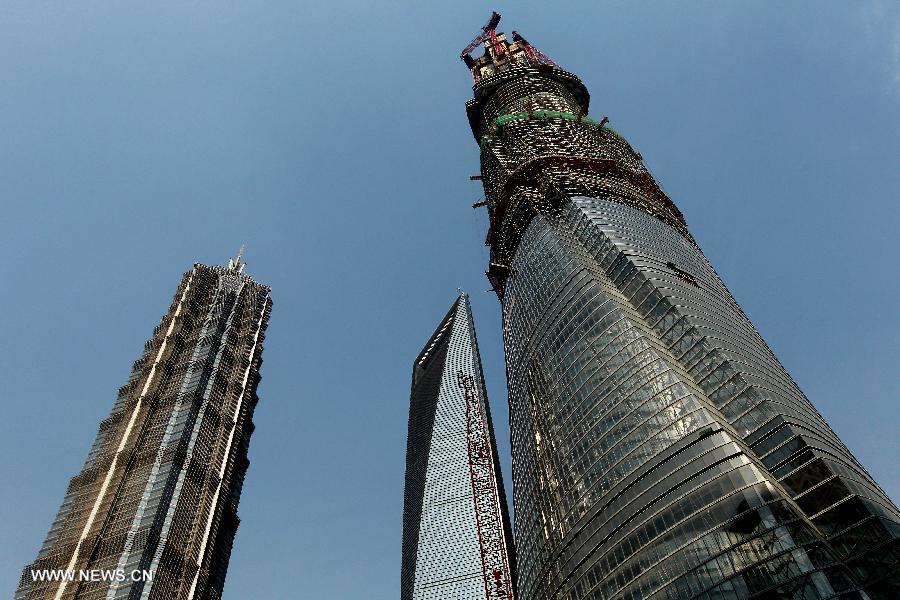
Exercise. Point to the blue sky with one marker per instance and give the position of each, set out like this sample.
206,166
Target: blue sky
137,138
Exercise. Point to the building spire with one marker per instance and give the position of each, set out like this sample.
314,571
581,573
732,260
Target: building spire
236,264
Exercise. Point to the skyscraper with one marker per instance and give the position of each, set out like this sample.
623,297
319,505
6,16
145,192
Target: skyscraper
660,449
456,529
153,513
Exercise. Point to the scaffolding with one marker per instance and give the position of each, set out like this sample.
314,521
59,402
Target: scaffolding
539,146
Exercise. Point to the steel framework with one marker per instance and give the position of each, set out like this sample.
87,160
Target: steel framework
501,55
626,355
494,562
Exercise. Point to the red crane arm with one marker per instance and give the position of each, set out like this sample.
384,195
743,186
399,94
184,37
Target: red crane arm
479,39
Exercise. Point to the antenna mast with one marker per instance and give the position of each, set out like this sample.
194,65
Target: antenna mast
236,264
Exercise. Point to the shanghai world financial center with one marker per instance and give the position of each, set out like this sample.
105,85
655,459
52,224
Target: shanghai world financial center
660,450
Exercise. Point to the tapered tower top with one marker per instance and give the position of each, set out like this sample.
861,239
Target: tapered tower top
539,147
504,61
499,54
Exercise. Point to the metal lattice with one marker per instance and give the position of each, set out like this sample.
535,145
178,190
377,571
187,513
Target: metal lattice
494,562
538,146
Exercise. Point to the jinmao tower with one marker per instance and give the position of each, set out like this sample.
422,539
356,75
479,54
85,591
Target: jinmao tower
153,513
456,530
660,449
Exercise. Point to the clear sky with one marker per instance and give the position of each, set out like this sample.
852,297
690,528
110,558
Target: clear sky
330,137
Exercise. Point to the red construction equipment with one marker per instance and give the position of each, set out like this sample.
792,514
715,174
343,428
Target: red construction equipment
501,55
486,32
533,52
494,555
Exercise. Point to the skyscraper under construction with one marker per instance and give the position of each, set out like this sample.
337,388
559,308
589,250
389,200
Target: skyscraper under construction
660,450
153,513
456,531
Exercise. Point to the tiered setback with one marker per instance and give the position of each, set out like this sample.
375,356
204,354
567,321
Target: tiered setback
660,450
159,490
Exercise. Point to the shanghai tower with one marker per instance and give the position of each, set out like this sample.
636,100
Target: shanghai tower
153,513
660,450
456,530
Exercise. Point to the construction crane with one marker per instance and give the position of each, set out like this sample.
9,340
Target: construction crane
499,52
495,567
533,52
487,32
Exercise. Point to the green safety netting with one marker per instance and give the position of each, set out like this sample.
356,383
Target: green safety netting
502,120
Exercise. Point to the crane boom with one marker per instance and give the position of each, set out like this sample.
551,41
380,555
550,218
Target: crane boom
479,39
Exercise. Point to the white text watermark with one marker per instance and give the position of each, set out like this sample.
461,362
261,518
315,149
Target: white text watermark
94,575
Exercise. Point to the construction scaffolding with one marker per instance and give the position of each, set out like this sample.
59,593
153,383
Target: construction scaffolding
538,145
585,243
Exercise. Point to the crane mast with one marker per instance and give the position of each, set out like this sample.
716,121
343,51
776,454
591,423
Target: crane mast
494,557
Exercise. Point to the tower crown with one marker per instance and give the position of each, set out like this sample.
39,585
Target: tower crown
499,54
539,146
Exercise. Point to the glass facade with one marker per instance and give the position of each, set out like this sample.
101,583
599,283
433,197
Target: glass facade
160,487
660,450
441,555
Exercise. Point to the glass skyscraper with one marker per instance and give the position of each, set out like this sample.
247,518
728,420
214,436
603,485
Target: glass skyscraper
660,450
441,554
153,513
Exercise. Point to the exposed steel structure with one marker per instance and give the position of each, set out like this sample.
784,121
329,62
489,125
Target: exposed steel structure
486,500
660,450
501,53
